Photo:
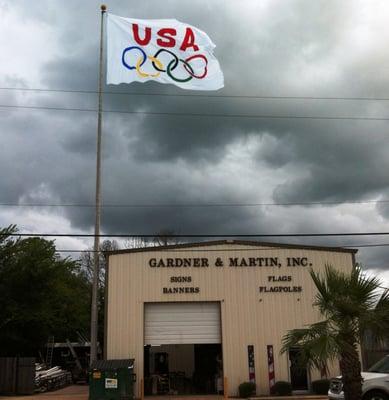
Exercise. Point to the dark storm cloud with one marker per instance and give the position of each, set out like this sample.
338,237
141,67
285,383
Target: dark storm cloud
299,48
77,71
37,157
165,184
172,137
337,166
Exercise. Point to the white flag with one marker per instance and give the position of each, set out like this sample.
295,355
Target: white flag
161,50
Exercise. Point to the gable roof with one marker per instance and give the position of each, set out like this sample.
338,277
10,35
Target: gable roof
251,243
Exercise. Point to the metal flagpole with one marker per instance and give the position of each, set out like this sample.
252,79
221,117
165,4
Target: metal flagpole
96,269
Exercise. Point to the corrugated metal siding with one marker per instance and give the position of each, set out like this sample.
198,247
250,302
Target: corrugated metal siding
26,375
247,316
182,323
8,375
17,375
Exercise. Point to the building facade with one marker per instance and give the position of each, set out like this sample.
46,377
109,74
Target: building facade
198,316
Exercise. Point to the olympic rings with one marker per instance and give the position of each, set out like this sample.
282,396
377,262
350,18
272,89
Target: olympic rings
177,79
145,75
191,72
171,53
159,66
129,49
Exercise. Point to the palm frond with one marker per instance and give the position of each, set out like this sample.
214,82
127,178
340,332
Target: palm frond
362,288
343,296
352,305
317,344
376,320
323,298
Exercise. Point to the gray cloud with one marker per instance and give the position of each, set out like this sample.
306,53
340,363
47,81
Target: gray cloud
299,48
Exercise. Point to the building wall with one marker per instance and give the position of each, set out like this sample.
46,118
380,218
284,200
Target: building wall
248,316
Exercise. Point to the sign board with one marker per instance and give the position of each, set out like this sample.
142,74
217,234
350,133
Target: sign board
111,383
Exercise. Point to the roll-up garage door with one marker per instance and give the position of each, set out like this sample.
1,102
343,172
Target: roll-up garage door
182,323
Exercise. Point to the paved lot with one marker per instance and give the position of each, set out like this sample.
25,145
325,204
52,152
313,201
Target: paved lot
75,392
80,392
307,397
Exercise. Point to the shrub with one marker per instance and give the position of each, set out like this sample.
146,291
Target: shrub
320,386
246,389
281,388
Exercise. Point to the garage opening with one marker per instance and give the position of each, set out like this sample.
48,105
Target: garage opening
182,352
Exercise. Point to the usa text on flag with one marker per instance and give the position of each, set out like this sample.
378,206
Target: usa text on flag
161,50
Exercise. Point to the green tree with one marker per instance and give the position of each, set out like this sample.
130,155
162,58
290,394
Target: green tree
165,237
42,294
350,305
87,263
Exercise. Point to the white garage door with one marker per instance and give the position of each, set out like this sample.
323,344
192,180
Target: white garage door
182,323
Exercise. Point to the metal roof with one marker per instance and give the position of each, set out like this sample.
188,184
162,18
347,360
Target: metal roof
251,243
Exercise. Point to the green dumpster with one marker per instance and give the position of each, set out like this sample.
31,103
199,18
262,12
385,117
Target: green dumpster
112,380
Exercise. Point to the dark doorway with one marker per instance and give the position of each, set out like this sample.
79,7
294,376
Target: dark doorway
179,369
161,363
298,372
208,369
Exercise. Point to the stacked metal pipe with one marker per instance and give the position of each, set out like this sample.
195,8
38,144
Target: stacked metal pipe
51,379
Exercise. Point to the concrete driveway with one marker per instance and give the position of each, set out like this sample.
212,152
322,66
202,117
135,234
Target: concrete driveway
80,392
74,392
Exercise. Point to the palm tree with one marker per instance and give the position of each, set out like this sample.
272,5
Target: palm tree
350,304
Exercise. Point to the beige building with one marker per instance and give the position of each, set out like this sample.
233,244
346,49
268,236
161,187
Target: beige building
194,314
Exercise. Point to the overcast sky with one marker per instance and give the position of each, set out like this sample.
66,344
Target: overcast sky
265,48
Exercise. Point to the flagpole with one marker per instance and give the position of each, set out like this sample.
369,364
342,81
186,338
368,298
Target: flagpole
95,283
